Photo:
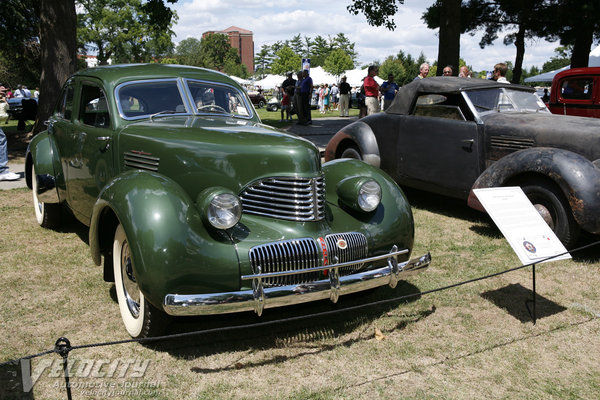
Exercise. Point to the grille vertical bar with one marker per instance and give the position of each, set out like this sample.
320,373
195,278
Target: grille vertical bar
356,249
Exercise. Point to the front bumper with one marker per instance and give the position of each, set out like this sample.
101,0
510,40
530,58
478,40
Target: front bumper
260,297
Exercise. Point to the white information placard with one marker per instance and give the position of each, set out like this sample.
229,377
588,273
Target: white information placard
520,223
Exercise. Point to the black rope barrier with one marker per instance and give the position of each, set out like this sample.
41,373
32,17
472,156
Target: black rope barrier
63,346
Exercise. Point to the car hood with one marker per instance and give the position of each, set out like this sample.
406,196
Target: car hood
202,152
578,134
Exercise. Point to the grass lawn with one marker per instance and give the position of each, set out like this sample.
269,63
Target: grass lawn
473,341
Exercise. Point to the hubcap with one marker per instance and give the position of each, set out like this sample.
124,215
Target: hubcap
130,286
545,213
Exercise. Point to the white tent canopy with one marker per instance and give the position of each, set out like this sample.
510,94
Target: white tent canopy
594,61
319,76
241,81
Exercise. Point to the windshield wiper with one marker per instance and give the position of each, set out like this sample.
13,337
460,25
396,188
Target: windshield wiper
162,112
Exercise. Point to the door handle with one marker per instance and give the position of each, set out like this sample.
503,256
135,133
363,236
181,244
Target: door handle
105,142
467,144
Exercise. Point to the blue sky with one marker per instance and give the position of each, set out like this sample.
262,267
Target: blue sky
281,20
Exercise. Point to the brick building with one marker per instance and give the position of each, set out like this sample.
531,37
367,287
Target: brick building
243,41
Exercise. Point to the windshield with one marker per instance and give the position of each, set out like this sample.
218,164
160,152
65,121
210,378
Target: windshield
159,98
505,100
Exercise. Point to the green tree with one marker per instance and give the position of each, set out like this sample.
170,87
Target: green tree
296,44
188,52
286,61
263,60
320,50
233,64
575,23
121,30
214,51
342,42
19,35
561,59
337,62
393,65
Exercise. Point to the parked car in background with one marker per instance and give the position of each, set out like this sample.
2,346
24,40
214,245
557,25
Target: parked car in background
197,208
274,104
576,91
451,135
22,109
257,99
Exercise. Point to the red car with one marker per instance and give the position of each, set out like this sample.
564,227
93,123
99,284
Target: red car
576,91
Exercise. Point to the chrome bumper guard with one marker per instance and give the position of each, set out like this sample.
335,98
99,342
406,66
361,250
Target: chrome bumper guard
260,297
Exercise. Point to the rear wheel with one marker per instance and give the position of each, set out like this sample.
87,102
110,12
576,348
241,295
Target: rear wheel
261,104
554,208
47,215
352,152
141,319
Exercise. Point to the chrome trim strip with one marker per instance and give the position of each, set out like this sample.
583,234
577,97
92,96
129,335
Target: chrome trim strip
260,297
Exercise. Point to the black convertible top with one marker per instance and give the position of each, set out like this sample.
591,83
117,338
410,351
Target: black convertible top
407,95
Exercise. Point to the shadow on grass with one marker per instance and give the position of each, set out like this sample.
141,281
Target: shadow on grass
313,332
513,298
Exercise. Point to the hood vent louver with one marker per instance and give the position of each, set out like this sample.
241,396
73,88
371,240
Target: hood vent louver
141,160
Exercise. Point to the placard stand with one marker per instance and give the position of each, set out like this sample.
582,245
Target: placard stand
531,311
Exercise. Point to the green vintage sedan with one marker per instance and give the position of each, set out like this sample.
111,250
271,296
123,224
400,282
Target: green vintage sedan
197,208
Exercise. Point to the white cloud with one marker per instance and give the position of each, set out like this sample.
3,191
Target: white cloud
271,21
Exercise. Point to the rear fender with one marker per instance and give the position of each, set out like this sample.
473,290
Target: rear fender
576,176
359,134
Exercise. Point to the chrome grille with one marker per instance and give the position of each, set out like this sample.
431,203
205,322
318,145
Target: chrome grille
139,160
297,254
287,255
295,199
356,249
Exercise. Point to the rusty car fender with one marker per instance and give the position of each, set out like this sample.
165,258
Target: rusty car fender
361,135
577,177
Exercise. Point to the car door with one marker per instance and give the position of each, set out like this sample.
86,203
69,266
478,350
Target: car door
439,150
91,165
60,127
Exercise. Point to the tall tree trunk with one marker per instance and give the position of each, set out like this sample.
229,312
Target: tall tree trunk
449,42
58,24
584,37
520,44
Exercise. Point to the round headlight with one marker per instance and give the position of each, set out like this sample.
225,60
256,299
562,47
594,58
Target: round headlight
224,211
369,196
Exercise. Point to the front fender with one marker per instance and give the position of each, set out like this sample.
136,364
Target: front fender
172,250
577,177
41,155
361,135
391,223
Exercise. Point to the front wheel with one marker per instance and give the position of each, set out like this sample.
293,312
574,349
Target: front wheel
141,319
554,208
47,215
261,104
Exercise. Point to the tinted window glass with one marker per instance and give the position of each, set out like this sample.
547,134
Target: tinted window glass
141,99
94,108
577,88
65,106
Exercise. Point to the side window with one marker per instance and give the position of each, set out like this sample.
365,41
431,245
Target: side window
438,106
64,108
93,110
577,88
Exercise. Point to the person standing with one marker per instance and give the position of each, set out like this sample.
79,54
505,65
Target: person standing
345,91
464,72
334,93
306,89
297,100
423,71
447,71
388,89
371,90
499,74
5,174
